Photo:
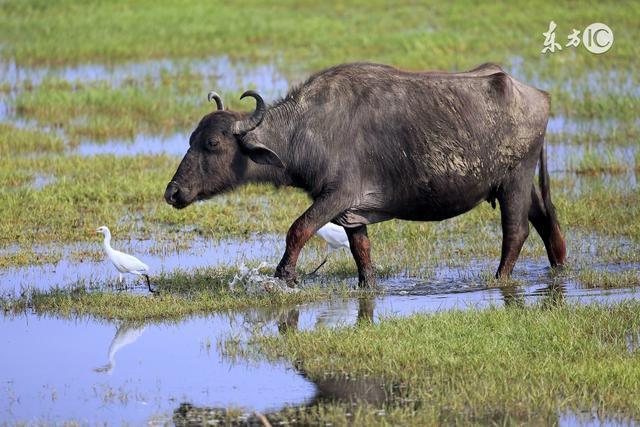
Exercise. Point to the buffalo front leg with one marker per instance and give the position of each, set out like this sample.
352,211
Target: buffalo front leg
361,251
318,214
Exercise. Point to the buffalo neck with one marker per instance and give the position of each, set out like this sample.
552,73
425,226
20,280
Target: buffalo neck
275,132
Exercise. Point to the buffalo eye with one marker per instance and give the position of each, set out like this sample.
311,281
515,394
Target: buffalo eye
212,142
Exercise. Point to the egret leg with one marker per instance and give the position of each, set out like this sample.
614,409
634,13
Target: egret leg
146,276
120,279
318,267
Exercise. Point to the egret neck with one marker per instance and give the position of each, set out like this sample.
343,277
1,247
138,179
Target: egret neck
107,242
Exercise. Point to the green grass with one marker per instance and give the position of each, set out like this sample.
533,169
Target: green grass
125,193
27,256
609,280
594,162
299,38
499,366
424,35
100,111
16,141
496,366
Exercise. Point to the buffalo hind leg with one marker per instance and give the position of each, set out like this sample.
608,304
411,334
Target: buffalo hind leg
514,208
548,229
361,251
319,213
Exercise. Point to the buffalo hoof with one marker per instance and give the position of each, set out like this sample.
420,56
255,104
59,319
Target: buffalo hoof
287,274
367,283
367,279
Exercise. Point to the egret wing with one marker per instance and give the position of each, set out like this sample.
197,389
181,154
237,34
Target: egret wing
129,262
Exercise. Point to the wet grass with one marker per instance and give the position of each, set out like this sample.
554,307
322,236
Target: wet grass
106,190
593,162
596,132
17,141
179,294
427,35
100,111
609,280
27,256
602,210
86,194
496,366
125,193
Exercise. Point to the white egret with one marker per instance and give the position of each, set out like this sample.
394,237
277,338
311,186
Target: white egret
124,263
336,238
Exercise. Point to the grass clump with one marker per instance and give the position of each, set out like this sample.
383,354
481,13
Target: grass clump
608,279
100,111
17,141
490,366
594,162
29,257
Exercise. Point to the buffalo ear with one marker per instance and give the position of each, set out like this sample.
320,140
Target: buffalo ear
260,154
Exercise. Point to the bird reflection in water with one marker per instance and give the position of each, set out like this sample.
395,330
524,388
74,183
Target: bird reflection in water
127,333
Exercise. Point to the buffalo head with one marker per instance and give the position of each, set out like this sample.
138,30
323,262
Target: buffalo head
219,154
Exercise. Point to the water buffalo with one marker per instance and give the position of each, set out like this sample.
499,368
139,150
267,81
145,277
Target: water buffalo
370,143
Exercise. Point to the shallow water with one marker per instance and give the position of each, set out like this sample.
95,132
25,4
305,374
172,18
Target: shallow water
564,157
593,83
592,419
135,372
42,180
200,253
229,75
172,145
57,370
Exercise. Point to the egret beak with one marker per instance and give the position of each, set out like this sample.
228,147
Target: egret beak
97,230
